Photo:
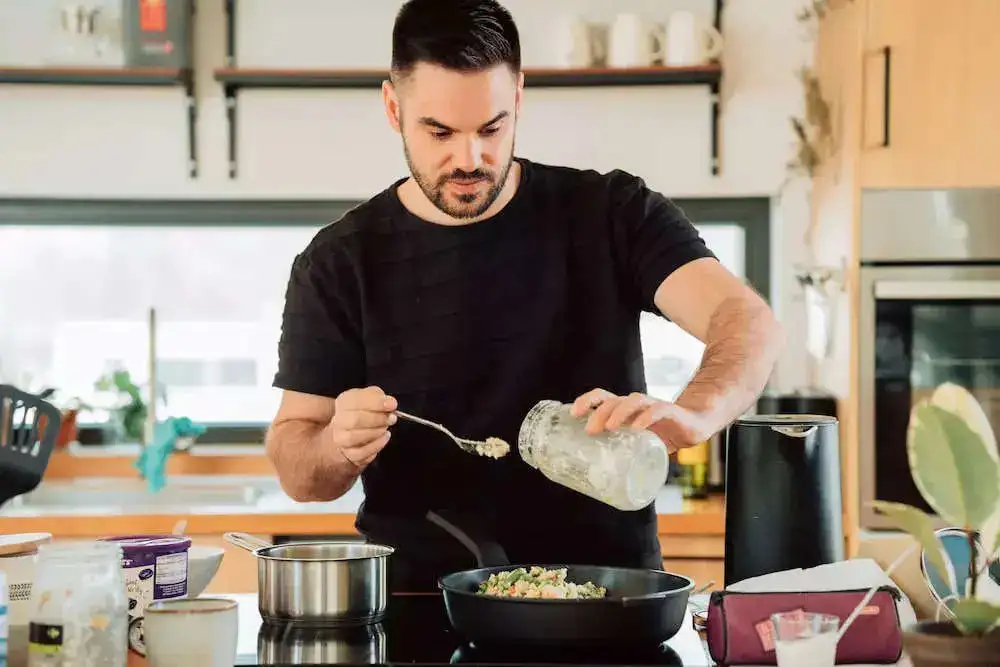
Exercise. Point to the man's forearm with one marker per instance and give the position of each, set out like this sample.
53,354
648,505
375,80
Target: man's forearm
307,465
742,346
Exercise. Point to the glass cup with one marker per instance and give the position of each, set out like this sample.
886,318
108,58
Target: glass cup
804,639
191,631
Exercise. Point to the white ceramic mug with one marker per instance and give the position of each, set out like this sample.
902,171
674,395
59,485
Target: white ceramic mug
191,631
575,47
633,42
690,41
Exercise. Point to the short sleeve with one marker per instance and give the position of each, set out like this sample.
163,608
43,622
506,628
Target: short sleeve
320,350
653,237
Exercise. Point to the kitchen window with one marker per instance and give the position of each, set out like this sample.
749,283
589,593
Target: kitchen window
74,300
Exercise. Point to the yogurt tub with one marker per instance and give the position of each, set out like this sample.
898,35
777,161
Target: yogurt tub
155,568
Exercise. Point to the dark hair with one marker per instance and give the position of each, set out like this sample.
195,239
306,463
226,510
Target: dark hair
463,35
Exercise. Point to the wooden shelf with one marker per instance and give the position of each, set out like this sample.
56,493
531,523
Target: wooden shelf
116,76
93,76
234,78
707,75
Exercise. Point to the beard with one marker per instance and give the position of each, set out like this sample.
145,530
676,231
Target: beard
464,205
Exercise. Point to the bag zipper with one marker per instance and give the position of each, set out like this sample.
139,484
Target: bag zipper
715,597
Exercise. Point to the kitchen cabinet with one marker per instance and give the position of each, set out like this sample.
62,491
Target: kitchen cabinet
931,94
699,557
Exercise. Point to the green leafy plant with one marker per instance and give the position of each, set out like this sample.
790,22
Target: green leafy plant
955,465
131,414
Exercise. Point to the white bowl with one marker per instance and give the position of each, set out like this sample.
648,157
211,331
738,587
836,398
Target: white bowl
203,563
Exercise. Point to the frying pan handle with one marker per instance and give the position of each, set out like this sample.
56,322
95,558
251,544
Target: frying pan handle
245,541
639,599
487,552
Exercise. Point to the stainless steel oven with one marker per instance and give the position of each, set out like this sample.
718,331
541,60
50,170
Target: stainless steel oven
929,313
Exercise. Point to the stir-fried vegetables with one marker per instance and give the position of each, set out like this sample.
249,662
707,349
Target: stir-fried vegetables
538,582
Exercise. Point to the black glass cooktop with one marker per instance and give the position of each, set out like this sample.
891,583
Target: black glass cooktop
416,631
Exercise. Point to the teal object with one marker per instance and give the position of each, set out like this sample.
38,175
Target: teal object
152,463
958,555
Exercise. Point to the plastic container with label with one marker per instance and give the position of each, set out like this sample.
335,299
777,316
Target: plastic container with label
156,568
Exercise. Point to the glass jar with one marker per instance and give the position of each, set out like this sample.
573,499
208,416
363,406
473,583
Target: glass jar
79,610
624,468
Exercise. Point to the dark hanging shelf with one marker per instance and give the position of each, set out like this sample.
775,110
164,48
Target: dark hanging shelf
539,78
92,76
234,78
108,76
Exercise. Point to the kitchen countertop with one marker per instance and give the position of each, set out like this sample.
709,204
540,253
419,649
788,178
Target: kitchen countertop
416,631
272,512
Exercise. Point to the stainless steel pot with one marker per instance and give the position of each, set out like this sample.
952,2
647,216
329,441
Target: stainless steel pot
319,583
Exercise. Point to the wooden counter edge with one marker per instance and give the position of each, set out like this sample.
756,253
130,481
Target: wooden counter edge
700,518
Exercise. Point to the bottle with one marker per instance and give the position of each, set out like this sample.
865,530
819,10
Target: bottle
624,468
717,464
79,610
693,470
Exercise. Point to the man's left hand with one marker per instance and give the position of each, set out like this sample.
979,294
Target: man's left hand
678,427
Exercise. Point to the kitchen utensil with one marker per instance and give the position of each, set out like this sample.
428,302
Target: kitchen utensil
199,632
319,583
783,495
643,607
492,447
690,41
28,429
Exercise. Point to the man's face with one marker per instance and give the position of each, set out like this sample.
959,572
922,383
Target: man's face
458,133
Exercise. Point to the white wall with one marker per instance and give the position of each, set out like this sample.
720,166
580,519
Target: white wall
131,142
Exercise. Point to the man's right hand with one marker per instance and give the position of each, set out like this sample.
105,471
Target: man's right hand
360,424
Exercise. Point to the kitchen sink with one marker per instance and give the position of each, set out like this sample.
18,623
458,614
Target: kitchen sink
134,495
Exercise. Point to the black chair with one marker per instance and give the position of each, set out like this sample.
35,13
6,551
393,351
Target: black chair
29,426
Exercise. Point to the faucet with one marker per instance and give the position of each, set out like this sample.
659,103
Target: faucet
150,425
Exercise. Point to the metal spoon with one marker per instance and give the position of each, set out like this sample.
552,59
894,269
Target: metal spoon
491,447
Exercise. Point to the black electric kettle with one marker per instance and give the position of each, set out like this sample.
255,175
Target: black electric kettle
783,495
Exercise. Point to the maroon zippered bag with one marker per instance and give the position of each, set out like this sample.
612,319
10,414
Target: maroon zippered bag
739,629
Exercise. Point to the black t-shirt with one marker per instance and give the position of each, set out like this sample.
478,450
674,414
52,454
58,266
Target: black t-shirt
470,326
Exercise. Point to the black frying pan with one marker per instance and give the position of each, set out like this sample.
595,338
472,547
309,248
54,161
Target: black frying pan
642,607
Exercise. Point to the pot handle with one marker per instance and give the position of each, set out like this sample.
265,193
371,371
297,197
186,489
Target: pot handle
487,552
245,541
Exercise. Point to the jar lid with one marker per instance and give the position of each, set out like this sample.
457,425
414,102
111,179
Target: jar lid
787,420
161,544
22,543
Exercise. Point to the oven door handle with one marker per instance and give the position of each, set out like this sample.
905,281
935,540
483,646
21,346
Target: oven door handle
918,290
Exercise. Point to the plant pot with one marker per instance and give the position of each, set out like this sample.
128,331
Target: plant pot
940,644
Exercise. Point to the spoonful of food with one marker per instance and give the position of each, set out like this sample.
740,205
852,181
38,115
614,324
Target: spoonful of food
491,447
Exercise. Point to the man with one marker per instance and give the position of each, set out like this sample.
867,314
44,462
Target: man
476,287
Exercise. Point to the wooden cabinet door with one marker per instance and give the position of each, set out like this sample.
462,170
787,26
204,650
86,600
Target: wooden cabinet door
931,94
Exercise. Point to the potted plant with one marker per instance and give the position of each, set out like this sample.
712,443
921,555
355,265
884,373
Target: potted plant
956,467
